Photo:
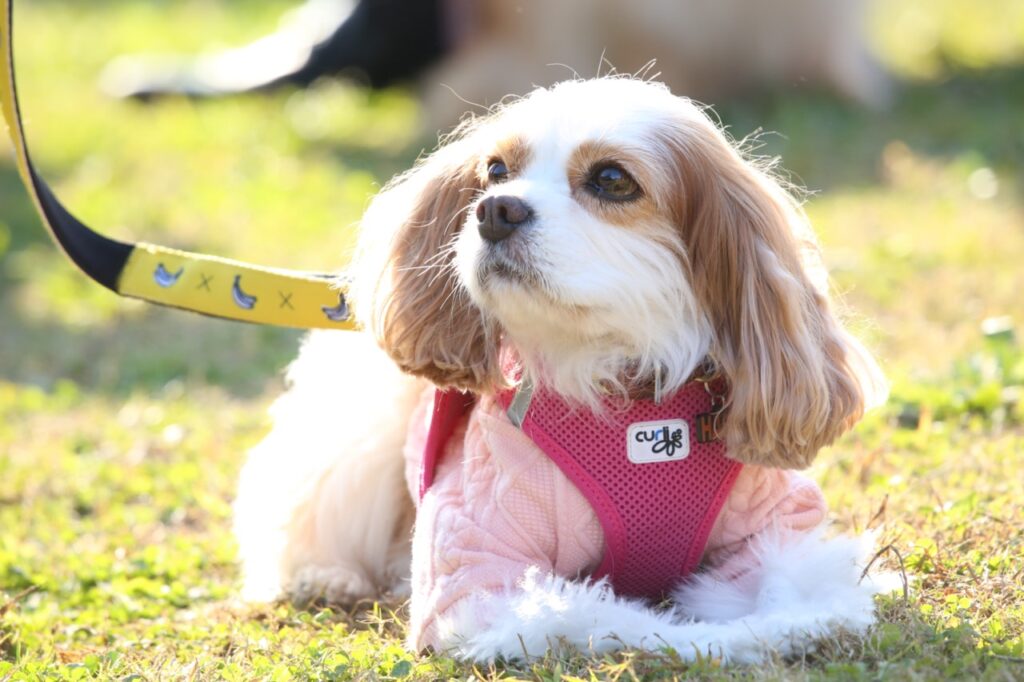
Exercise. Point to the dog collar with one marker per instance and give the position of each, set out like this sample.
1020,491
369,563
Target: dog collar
210,285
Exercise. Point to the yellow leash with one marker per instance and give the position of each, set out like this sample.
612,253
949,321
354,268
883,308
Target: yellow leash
204,284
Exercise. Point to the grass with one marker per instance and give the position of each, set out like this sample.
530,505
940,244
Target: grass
122,427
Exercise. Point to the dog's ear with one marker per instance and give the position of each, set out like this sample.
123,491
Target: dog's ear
405,288
797,379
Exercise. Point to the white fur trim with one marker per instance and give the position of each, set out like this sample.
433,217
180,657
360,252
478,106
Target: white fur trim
806,588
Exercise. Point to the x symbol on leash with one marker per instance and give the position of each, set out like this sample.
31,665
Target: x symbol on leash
205,284
286,300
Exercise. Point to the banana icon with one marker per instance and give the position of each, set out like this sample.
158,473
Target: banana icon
164,278
242,299
338,313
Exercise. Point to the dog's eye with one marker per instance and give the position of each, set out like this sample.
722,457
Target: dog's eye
497,171
612,182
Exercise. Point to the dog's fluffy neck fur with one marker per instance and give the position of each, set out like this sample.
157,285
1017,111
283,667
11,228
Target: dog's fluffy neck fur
590,378
586,369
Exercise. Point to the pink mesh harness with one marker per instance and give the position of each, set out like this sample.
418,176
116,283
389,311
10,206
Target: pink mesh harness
656,495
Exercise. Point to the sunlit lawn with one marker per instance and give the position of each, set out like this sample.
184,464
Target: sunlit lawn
122,427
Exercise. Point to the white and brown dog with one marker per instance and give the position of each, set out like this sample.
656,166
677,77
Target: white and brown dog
552,285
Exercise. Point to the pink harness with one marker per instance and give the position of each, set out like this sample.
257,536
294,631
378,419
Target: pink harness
655,488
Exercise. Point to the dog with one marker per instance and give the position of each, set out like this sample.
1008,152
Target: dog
482,50
598,342
709,51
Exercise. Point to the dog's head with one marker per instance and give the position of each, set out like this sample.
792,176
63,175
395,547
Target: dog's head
607,231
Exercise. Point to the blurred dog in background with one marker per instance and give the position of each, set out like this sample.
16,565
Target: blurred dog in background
462,54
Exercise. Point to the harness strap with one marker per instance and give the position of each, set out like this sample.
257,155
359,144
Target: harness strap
449,408
204,284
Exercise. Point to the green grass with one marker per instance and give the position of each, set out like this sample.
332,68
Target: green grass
122,427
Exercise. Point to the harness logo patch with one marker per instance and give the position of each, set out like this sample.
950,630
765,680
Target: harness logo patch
660,441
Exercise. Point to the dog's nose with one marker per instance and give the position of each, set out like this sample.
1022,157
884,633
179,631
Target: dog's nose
500,216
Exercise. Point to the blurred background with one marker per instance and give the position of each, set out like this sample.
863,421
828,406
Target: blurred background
915,175
122,426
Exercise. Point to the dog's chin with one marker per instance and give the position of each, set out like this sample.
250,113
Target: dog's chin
516,294
500,272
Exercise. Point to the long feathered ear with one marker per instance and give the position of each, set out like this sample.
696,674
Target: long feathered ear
797,379
406,291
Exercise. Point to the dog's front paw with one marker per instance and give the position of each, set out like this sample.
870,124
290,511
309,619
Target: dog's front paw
333,584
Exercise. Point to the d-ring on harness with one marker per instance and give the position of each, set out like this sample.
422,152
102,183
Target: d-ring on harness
204,284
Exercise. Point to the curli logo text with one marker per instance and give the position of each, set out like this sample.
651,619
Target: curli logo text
660,441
